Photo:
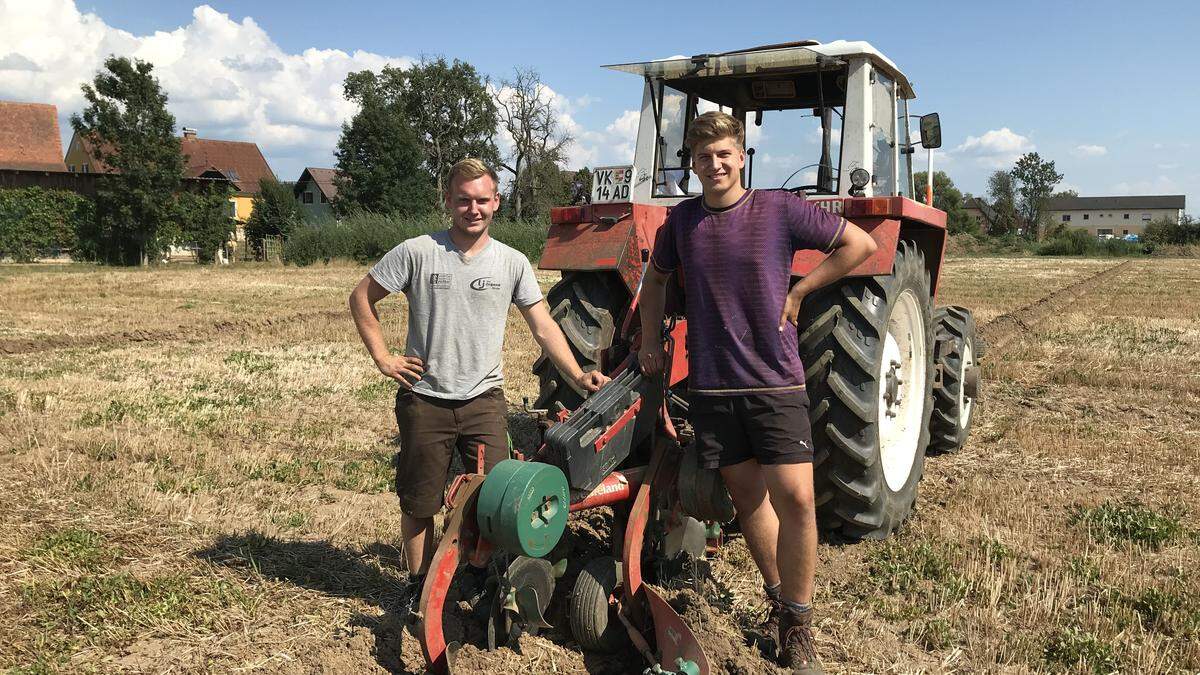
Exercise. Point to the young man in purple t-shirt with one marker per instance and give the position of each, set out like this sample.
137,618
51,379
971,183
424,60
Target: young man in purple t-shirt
748,404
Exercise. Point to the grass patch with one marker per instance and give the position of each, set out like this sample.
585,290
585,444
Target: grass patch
250,362
1127,521
1076,648
902,567
73,547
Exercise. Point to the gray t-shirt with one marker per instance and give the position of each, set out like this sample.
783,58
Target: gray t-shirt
457,309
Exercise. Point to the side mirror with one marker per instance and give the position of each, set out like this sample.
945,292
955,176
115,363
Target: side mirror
931,131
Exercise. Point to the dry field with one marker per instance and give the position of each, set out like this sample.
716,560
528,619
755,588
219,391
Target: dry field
195,474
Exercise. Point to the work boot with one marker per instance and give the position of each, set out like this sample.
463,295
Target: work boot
768,640
412,597
797,649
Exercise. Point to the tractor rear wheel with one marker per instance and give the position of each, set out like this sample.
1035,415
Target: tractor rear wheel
589,307
958,352
867,346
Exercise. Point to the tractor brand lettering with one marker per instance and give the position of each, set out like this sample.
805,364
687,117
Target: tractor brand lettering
612,183
439,281
834,206
484,283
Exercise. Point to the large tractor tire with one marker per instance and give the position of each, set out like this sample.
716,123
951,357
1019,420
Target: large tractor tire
958,350
867,346
589,307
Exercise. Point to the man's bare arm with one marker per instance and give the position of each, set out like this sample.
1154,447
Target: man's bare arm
404,369
854,247
554,343
651,306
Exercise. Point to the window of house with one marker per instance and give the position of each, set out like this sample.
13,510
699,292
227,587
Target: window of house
71,168
1126,216
1104,230
1125,232
324,199
233,208
85,168
1145,217
1066,218
1085,216
308,197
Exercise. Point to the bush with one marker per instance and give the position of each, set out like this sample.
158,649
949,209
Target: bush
1169,232
365,237
275,213
34,221
1079,242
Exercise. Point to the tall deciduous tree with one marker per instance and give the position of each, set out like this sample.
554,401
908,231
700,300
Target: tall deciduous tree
1005,219
380,161
128,126
452,112
204,219
275,213
948,198
527,113
1034,179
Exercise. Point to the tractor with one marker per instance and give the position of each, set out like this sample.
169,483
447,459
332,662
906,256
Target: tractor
890,376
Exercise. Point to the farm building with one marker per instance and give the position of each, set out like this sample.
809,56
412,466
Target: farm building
315,190
29,139
1117,216
239,162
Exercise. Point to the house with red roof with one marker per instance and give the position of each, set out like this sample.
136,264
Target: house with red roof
29,139
239,162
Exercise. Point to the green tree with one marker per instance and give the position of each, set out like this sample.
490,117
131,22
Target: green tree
1004,217
452,112
380,161
275,213
204,219
581,186
948,198
1034,179
128,126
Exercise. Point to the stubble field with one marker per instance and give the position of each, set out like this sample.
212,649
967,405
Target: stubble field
195,470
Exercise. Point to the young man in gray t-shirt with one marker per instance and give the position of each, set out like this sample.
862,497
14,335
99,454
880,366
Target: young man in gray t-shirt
459,284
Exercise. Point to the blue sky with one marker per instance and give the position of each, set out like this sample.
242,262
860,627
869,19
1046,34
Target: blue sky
1108,90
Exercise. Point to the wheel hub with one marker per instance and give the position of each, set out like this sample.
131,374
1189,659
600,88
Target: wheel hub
902,368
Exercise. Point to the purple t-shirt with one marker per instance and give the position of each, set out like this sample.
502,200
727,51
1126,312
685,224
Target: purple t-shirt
737,266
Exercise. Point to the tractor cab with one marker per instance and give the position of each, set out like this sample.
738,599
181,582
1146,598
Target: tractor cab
815,114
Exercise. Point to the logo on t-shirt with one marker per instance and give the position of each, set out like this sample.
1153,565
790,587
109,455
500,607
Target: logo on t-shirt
439,281
484,283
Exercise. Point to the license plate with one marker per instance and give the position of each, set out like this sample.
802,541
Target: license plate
611,184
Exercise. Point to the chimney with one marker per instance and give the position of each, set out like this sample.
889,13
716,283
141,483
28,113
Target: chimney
189,132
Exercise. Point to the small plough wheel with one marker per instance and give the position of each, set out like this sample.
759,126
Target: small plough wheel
958,352
593,610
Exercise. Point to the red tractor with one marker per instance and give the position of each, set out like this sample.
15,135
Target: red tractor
889,376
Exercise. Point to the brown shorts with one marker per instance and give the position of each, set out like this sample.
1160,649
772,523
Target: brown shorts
770,428
430,429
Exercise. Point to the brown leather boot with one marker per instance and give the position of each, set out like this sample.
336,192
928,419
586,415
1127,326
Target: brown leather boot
797,649
768,643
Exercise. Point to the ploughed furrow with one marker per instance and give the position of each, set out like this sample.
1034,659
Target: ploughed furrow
182,333
1004,329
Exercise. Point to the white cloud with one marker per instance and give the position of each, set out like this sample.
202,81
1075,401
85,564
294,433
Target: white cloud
997,149
1086,150
1159,185
225,77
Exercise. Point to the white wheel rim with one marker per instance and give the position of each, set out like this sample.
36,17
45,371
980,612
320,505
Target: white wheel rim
965,402
901,405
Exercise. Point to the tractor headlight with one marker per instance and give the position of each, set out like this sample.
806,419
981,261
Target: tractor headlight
859,178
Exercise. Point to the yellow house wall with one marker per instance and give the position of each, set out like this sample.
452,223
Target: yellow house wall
76,157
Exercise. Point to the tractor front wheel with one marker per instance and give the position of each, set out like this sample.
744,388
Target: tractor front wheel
958,352
867,346
593,610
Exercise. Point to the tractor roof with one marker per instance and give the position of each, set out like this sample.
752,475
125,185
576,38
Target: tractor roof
765,59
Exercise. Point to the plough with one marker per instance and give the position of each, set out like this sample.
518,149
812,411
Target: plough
590,459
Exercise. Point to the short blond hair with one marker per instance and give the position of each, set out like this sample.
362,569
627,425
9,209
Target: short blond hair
469,169
713,126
